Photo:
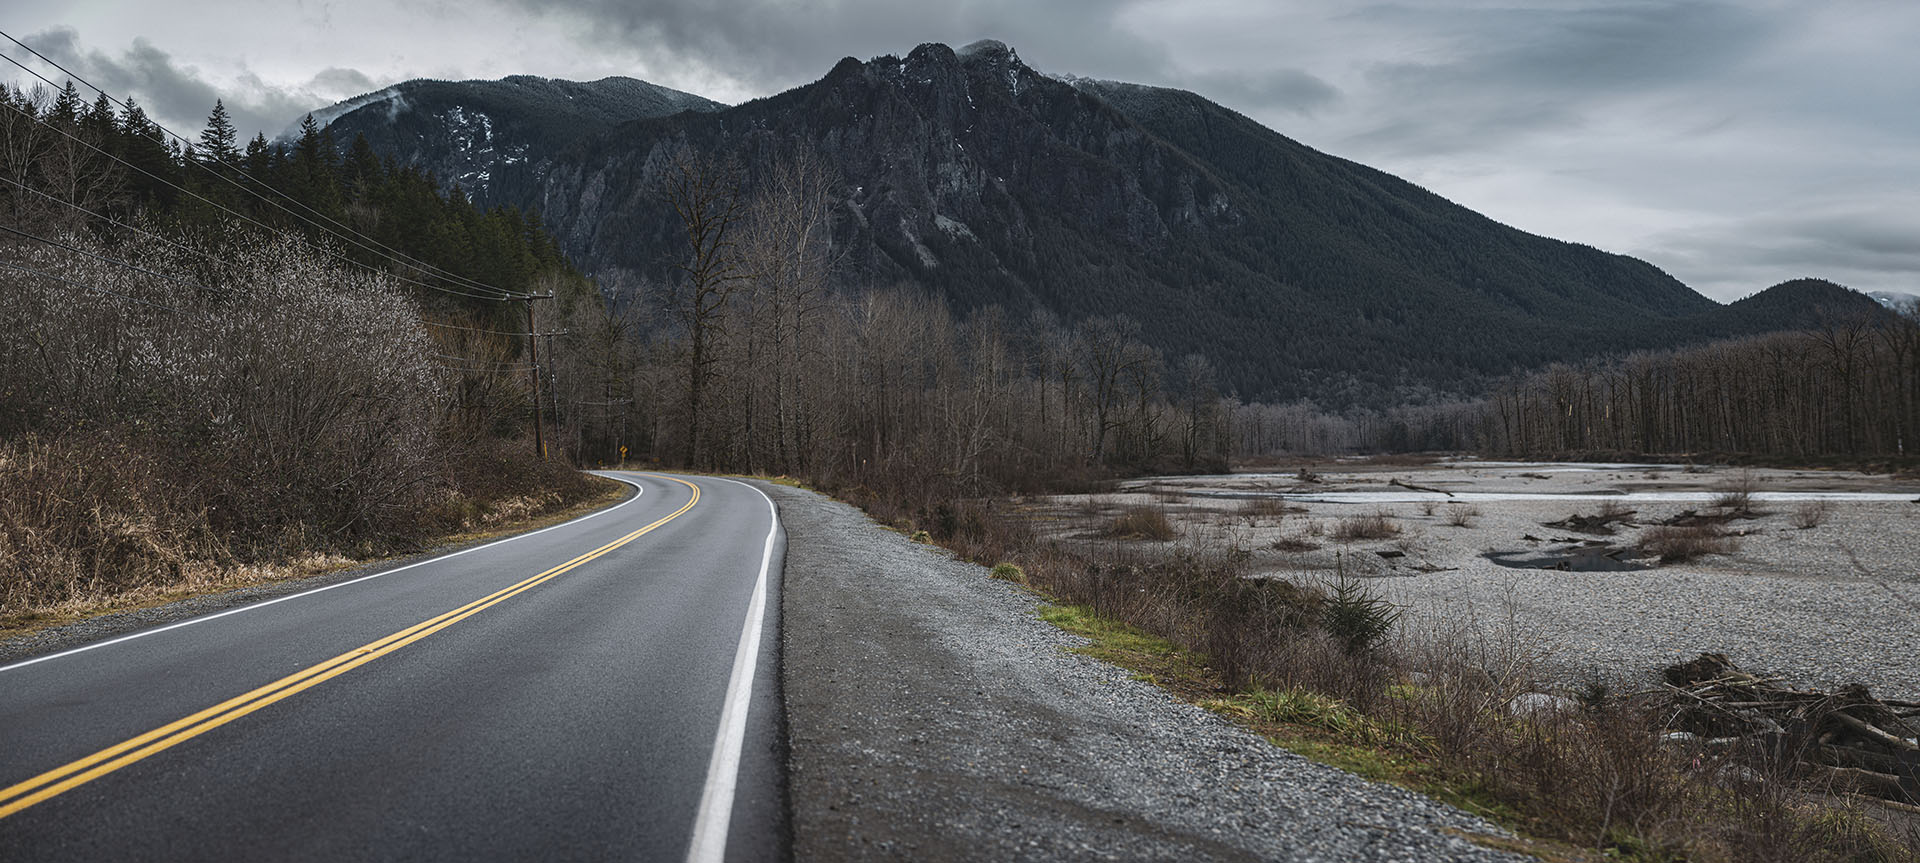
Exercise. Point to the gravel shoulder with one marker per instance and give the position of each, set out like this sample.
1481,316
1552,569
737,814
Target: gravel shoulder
933,716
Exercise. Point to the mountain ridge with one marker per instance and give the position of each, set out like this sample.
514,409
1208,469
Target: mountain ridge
1300,274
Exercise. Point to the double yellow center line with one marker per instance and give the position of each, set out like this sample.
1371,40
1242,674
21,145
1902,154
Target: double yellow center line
70,776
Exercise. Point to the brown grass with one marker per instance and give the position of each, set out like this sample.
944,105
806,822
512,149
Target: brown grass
1810,514
1678,544
1142,522
1462,514
96,523
1379,525
1270,507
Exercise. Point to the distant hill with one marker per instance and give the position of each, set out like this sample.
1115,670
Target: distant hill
1298,273
490,137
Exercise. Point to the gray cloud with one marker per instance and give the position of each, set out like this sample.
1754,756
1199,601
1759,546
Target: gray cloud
770,45
1287,90
1870,245
180,98
1511,71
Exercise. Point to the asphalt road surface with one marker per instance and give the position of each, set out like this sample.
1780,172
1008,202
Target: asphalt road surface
602,689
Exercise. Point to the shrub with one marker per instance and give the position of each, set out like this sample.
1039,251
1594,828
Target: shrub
1736,494
1294,543
1461,514
1142,522
1265,506
1677,544
1812,513
1379,525
1354,614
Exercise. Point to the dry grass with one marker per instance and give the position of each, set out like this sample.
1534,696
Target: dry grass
1142,522
1810,514
1379,525
93,524
1268,507
1678,544
1462,514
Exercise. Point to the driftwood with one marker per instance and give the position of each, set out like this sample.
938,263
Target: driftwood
1419,487
1846,740
1598,524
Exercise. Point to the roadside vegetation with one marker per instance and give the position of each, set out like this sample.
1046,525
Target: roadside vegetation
1323,666
228,365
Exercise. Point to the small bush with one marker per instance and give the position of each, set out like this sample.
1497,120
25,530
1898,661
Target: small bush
1354,614
1294,543
1462,514
1008,572
1811,514
1142,522
1736,494
1379,525
1677,544
1265,506
920,536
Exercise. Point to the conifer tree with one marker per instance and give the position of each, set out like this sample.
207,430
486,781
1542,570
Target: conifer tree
67,108
217,140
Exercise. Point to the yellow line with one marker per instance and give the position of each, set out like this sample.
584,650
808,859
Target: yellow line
67,777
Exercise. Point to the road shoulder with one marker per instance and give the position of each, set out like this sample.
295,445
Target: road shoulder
932,715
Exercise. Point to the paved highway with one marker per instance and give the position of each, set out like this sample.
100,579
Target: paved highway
603,689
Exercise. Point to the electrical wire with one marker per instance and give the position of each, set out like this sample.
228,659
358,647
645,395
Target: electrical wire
249,219
349,233
103,258
86,287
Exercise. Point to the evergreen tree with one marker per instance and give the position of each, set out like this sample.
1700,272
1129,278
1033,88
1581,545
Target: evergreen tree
217,140
67,108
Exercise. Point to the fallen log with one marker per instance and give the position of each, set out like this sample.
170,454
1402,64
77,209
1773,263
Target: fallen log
1419,487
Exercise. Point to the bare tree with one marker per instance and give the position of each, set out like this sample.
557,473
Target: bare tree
705,193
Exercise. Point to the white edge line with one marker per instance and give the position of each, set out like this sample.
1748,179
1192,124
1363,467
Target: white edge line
204,618
723,770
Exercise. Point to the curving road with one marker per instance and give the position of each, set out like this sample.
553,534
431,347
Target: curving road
602,689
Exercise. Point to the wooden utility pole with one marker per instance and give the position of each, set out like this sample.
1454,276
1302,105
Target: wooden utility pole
533,355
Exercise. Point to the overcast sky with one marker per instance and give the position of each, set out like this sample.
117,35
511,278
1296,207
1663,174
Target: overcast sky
1735,145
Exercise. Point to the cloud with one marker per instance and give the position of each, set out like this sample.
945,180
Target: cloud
755,47
1289,90
180,96
1490,74
1871,245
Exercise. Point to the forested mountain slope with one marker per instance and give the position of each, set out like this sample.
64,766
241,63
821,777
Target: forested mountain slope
492,137
1297,273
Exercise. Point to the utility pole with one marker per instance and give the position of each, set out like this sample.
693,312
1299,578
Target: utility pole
533,354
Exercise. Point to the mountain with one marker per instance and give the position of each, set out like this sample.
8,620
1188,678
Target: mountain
1899,303
968,172
489,136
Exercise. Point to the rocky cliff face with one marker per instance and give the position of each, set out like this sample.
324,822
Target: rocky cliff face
972,174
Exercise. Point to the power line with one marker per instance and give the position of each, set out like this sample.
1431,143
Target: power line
344,232
104,259
116,222
242,216
86,287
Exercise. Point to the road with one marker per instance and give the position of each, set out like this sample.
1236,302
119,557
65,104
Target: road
602,689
